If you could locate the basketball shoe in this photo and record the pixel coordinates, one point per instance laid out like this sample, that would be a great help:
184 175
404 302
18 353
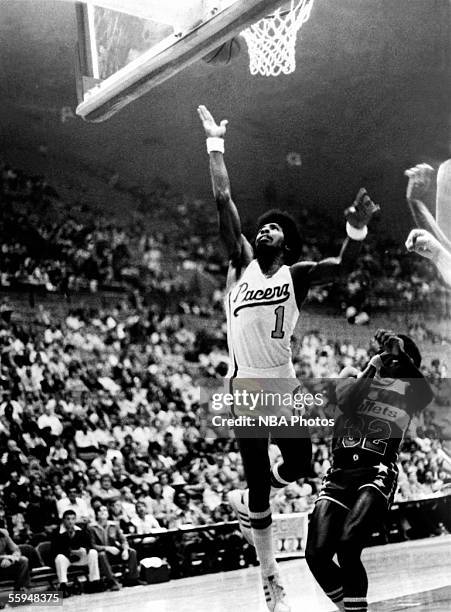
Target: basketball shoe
276 598
275 595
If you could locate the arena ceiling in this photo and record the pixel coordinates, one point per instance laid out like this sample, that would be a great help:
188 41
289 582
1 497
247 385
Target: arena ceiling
371 96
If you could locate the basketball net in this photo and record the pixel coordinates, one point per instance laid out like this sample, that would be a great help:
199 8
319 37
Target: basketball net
271 42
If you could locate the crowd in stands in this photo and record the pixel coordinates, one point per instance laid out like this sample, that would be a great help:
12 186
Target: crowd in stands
45 245
101 413
104 408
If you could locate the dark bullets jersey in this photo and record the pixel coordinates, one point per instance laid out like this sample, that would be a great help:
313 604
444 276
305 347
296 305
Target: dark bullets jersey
373 431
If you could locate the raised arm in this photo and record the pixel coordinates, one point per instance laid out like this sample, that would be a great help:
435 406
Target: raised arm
425 244
428 240
352 389
420 178
420 392
238 248
357 216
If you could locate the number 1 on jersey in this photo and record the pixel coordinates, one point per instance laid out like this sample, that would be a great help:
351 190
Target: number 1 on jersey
278 332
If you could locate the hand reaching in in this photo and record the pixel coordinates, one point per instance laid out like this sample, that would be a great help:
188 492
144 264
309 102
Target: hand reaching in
420 178
424 243
390 342
360 213
212 129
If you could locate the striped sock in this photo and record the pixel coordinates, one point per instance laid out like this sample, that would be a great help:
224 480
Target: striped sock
355 604
337 597
261 523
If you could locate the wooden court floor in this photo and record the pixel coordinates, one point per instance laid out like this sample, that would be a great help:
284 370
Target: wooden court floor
411 576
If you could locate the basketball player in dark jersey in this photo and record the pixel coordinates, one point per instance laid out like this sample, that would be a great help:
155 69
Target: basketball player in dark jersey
265 292
376 409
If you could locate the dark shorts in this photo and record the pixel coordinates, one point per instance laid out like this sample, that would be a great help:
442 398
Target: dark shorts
344 485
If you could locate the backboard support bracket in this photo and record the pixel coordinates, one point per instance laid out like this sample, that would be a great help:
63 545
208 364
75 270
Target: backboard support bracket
163 61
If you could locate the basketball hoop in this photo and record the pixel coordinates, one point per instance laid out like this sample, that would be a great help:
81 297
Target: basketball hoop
272 40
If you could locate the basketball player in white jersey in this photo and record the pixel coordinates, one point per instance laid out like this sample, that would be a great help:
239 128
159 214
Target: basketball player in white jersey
266 287
432 238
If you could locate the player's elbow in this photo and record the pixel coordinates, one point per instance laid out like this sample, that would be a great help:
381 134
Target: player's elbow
340 266
222 197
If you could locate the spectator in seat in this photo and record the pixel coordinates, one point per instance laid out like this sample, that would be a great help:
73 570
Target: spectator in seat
112 546
49 423
102 463
85 442
105 491
8 401
58 455
161 508
187 513
128 501
36 445
12 564
166 489
144 521
120 477
50 509
121 516
92 481
37 512
72 546
12 425
113 453
78 504
13 459
15 493
212 495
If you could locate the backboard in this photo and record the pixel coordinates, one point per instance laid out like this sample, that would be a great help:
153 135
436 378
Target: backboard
127 47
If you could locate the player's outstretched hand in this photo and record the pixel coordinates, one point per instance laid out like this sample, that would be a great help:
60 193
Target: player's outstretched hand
420 177
382 334
389 341
212 129
360 213
424 243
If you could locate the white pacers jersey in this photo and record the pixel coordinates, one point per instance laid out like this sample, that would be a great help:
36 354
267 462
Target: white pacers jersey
261 316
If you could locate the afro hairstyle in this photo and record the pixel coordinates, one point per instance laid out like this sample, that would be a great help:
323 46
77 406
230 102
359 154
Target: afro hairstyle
290 232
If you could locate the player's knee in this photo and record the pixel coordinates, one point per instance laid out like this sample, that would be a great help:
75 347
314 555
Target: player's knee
286 474
312 556
59 559
316 555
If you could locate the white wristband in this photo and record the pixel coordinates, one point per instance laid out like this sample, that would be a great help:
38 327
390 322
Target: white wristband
215 144
356 233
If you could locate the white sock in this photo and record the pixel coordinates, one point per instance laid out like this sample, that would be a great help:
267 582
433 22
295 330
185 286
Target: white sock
264 547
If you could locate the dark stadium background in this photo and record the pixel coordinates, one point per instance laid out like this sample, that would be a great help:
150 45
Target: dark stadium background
370 97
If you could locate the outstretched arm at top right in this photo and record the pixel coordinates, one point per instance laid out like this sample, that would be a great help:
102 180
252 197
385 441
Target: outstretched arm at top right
426 244
420 178
238 248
